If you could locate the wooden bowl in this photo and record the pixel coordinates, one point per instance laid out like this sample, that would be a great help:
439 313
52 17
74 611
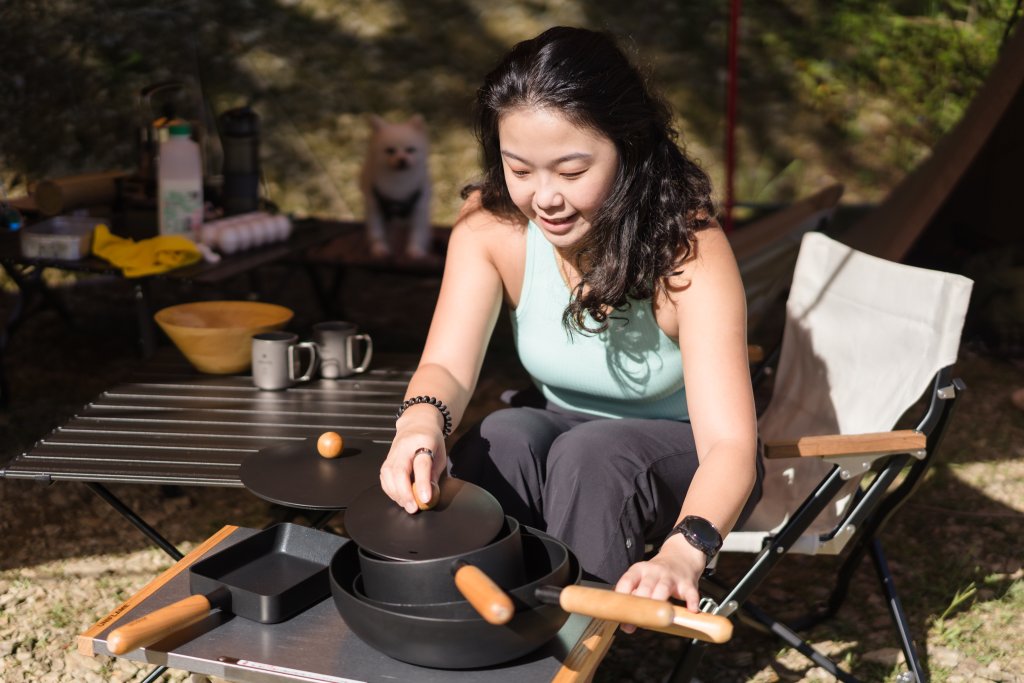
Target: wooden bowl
216 336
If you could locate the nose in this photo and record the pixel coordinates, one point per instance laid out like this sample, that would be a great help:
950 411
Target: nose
548 196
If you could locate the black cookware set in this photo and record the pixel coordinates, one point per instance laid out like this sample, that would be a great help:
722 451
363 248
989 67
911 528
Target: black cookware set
458 586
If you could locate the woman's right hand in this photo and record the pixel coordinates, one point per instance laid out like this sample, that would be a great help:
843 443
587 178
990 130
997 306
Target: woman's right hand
408 465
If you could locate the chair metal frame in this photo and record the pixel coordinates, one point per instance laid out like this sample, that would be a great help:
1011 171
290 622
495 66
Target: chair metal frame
857 533
838 465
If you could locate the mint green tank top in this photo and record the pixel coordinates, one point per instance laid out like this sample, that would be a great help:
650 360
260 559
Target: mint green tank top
632 369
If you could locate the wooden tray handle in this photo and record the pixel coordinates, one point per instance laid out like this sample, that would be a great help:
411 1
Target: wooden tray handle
150 628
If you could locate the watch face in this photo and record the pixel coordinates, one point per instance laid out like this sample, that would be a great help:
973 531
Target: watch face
703 534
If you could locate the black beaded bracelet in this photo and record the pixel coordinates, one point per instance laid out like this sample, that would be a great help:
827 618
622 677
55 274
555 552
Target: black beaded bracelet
437 403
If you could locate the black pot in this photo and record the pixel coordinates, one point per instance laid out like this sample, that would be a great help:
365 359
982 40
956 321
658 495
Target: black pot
454 636
545 563
431 581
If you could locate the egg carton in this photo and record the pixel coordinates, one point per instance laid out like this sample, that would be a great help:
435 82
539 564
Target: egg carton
245 231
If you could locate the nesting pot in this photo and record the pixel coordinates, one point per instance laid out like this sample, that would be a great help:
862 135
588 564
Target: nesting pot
451 634
544 563
431 580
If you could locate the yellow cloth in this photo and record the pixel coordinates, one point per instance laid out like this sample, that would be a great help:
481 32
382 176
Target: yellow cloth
145 257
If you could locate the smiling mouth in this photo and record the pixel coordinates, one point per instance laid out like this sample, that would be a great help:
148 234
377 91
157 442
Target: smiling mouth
565 220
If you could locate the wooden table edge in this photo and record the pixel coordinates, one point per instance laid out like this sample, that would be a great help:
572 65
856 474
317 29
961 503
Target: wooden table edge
582 661
86 639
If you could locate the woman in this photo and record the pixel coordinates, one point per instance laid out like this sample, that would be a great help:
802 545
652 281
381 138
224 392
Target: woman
593 227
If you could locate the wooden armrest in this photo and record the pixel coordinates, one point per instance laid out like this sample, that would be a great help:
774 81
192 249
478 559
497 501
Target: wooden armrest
847 444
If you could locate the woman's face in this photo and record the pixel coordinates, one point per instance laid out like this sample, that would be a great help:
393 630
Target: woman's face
557 173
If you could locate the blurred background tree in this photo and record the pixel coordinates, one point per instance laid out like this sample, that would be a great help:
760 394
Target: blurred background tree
854 91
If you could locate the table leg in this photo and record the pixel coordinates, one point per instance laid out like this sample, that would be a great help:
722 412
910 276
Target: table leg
29 280
328 295
147 334
139 523
155 674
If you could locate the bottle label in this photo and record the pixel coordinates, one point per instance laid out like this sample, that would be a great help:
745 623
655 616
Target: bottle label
181 207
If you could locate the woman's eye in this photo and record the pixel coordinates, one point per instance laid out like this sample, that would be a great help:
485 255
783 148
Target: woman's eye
573 174
519 173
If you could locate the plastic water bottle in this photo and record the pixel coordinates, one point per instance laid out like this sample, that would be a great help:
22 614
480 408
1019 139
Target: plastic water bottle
179 183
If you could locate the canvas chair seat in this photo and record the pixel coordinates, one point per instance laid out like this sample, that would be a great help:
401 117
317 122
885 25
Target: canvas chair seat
864 339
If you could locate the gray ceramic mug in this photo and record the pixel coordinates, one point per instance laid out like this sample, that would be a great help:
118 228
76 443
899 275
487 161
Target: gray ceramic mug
336 341
276 358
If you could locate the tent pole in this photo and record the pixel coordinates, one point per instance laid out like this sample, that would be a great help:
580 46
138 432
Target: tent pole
730 113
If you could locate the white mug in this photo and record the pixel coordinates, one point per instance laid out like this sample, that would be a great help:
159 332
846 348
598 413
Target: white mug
275 360
336 341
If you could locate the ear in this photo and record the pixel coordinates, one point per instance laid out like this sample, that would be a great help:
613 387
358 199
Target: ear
376 122
418 122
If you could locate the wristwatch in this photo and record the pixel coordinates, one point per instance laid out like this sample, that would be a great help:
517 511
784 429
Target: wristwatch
700 533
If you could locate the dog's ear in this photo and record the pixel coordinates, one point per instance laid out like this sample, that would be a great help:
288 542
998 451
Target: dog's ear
376 122
418 122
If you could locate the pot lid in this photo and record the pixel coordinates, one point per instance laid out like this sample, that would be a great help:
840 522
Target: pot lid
296 475
465 518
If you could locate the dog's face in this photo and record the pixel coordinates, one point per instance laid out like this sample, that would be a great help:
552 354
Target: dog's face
398 146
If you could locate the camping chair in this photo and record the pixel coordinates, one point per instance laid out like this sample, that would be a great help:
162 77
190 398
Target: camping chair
864 339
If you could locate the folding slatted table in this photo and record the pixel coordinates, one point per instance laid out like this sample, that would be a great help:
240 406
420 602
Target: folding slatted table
167 424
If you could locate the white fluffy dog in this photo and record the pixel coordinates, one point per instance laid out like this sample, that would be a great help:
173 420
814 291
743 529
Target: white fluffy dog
396 186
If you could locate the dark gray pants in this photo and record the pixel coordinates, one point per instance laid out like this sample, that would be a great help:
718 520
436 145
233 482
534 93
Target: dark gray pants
604 487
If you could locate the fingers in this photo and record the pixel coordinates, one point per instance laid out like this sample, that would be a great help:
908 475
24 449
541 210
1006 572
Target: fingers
410 464
394 479
659 580
691 597
422 469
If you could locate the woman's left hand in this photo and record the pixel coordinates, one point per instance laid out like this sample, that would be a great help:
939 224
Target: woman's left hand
673 573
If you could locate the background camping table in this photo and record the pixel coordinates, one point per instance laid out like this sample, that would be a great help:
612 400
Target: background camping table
168 424
293 252
316 645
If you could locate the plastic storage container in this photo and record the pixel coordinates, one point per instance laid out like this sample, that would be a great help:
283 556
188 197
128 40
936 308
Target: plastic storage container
67 238
179 183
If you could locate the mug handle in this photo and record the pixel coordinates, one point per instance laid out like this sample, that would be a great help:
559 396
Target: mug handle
313 358
366 356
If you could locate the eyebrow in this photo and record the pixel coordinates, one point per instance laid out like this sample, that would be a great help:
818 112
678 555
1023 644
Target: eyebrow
560 160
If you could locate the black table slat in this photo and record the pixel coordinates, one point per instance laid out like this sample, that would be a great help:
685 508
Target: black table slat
174 425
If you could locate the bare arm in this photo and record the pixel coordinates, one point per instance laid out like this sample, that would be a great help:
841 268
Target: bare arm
710 308
467 309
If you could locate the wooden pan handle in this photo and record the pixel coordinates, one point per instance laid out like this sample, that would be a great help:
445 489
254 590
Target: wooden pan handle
607 604
708 627
487 598
153 626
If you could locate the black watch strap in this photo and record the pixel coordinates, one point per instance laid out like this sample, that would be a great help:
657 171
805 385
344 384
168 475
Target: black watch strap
700 533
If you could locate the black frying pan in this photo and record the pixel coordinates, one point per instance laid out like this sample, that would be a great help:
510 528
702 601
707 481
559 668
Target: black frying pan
454 636
268 577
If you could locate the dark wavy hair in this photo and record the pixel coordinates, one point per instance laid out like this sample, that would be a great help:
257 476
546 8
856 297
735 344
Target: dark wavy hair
659 196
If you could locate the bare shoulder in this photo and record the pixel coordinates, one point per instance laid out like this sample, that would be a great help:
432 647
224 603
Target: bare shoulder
483 242
478 228
710 258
